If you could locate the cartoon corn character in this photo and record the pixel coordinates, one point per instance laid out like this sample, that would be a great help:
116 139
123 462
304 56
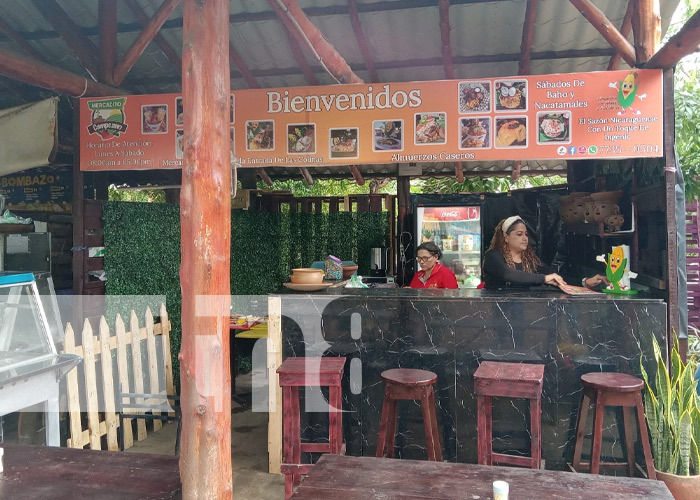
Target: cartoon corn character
616 267
627 92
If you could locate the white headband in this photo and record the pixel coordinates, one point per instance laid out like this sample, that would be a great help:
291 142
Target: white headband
509 222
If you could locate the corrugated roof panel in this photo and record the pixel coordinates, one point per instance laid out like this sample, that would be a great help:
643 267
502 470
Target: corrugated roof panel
485 28
397 36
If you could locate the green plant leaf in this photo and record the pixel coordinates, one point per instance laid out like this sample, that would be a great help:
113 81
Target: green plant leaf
684 444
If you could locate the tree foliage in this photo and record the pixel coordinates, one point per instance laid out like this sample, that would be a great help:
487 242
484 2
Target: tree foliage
687 97
687 105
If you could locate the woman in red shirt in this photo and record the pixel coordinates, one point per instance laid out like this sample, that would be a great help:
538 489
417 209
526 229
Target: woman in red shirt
432 273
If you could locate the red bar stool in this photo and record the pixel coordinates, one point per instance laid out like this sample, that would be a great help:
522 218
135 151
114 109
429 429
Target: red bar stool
308 372
612 389
407 383
509 380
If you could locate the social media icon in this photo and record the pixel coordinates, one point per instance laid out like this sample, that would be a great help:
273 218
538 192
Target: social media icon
573 150
561 150
592 150
582 150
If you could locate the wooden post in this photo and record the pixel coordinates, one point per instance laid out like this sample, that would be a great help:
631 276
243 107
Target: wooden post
671 226
646 25
107 16
403 192
681 44
274 360
205 220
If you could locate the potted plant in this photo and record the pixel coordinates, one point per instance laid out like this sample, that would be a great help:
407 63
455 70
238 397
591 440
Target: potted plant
673 417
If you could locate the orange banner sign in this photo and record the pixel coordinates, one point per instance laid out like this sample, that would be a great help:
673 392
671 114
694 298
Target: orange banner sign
611 114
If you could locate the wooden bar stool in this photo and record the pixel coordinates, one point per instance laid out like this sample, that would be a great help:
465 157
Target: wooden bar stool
308 372
411 384
509 380
612 389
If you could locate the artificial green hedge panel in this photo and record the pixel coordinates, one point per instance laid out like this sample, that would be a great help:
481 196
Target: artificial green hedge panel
142 256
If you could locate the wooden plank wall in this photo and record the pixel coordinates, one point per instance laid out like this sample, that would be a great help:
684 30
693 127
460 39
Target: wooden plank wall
692 241
93 387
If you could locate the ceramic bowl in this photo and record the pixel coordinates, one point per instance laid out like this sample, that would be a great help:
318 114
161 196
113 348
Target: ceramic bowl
348 271
307 276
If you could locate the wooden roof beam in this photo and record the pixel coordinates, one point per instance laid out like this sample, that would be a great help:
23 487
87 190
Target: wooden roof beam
247 75
681 44
158 39
445 44
264 176
308 34
357 175
418 63
294 46
459 172
71 33
362 41
145 37
618 42
39 74
306 175
625 29
21 43
528 36
107 21
646 25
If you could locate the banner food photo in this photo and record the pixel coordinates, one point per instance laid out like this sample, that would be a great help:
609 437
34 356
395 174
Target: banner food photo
611 114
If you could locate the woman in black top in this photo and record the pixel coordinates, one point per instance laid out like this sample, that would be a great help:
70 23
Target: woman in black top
511 261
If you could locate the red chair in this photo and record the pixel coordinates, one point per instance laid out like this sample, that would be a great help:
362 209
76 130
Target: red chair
509 380
308 372
612 389
407 383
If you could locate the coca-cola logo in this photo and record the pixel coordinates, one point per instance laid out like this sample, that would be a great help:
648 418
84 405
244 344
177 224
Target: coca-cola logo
451 214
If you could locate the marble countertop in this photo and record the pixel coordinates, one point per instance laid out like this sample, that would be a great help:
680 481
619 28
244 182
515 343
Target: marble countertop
533 293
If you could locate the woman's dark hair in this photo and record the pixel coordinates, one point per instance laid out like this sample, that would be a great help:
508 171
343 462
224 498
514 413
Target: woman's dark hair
431 247
530 260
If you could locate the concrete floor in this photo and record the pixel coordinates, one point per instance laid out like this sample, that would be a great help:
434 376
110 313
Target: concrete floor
249 450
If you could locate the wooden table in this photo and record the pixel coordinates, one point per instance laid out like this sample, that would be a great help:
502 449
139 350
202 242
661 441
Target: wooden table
50 473
360 478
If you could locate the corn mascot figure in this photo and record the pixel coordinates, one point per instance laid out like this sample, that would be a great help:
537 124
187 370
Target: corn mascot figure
617 271
627 92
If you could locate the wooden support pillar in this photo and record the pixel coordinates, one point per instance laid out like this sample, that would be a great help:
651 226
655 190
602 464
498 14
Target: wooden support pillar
681 44
205 221
403 191
363 203
78 190
107 16
671 226
646 25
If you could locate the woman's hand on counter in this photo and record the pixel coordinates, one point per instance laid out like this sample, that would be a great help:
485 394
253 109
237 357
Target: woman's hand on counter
554 279
595 280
